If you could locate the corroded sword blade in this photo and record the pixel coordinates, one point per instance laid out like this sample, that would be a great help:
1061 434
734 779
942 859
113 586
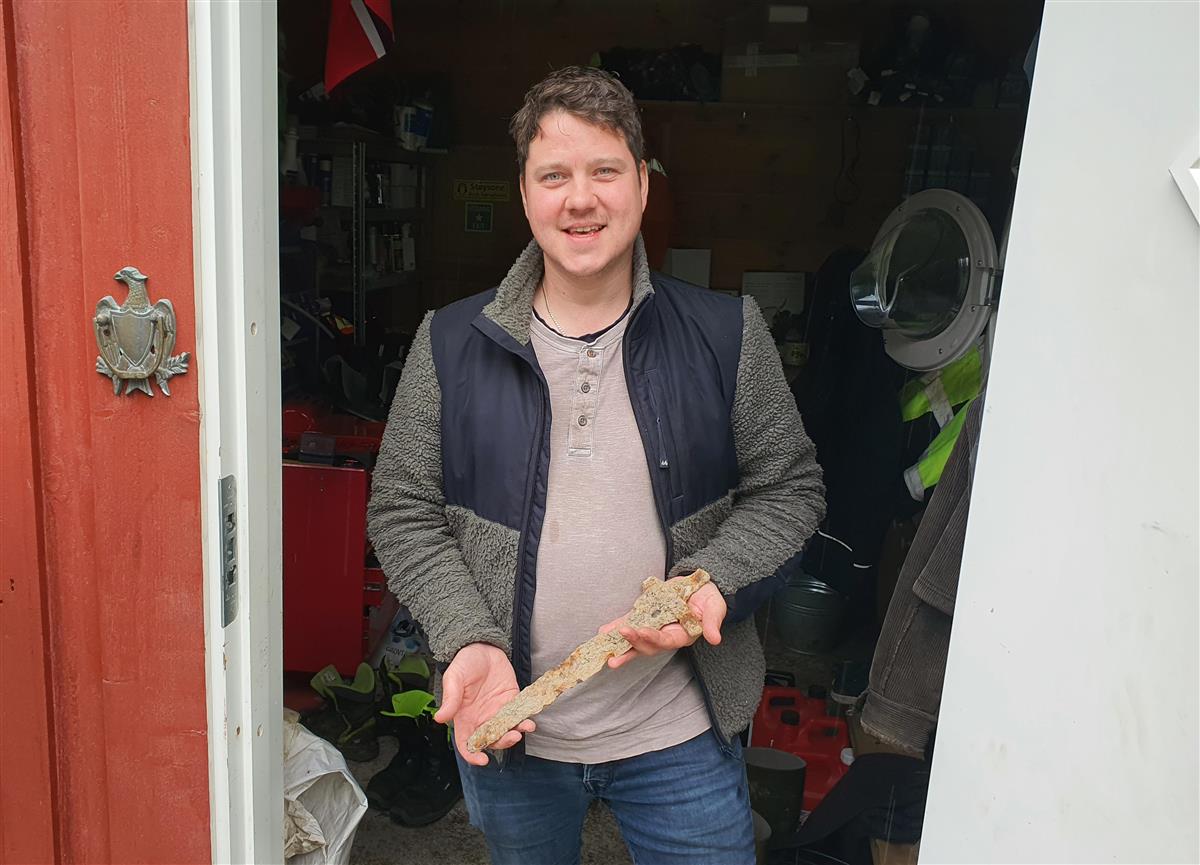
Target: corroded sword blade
659 604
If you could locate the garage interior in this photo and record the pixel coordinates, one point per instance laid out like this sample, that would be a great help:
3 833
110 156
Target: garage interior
782 140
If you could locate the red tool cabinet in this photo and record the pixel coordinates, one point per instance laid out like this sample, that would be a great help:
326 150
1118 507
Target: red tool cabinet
336 606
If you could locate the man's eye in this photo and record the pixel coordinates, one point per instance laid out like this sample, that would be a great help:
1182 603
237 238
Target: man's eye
606 171
552 177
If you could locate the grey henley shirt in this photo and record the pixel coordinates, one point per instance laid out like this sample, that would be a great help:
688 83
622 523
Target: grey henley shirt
601 538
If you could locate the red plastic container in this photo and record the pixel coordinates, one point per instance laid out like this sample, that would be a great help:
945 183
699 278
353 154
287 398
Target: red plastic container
788 720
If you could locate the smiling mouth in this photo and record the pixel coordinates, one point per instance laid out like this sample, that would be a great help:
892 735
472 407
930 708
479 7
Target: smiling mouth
587 231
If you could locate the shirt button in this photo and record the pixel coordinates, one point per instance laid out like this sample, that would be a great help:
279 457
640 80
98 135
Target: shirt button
591 352
583 420
585 387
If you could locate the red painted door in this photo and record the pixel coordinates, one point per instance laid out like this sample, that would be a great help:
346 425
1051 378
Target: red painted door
103 732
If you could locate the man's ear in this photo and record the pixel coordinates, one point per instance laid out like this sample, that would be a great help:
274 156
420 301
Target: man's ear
521 186
644 183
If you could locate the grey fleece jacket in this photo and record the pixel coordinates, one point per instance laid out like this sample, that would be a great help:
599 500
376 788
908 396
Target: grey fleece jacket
456 567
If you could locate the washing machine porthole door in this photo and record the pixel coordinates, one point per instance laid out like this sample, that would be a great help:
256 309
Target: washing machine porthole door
927 281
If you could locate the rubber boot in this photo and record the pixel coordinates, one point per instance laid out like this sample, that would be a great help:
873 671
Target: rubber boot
437 789
405 768
406 704
410 675
352 703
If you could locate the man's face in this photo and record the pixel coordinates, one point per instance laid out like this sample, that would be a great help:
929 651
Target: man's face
583 194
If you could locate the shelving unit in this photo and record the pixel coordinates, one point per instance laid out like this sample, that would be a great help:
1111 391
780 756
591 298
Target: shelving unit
363 148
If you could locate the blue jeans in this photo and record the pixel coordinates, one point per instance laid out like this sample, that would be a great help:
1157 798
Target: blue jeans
686 804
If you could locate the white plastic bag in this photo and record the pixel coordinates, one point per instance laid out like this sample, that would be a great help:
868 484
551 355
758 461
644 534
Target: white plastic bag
323 804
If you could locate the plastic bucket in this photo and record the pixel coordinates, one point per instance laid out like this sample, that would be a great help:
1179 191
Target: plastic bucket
776 787
762 837
808 615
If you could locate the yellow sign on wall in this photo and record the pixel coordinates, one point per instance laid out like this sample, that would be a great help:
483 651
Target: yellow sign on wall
481 190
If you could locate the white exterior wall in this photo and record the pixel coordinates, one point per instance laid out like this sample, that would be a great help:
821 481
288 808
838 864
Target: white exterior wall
1069 718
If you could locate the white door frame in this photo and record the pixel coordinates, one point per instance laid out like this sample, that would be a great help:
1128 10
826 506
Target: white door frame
234 133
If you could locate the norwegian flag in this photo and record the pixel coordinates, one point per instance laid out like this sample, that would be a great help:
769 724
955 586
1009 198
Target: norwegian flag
359 33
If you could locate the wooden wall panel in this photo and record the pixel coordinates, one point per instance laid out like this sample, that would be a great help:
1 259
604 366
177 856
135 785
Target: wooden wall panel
27 819
103 95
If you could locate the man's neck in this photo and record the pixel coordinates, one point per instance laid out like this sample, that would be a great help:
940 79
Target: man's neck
578 306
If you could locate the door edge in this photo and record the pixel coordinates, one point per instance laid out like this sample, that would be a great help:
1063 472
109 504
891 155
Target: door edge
232 68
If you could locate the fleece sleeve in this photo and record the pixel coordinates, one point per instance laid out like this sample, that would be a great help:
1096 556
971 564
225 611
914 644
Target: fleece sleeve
780 497
406 517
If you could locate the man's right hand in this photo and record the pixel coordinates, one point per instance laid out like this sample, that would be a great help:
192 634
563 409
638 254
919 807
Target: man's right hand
477 683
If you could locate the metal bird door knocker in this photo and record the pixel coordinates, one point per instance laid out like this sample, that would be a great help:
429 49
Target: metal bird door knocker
136 338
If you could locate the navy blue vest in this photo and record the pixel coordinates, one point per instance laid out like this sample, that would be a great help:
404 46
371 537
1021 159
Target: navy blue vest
681 353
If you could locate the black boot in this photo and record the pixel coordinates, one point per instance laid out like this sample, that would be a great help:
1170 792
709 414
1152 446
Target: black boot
405 768
438 787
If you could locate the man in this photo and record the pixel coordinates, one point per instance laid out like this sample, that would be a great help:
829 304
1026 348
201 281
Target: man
554 442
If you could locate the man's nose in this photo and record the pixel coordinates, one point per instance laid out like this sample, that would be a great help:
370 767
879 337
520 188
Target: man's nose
581 195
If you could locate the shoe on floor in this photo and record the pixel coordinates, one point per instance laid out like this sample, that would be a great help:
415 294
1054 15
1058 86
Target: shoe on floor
398 683
353 704
405 768
438 787
410 673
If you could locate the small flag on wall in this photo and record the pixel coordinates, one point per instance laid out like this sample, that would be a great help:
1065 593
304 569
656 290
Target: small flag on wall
359 34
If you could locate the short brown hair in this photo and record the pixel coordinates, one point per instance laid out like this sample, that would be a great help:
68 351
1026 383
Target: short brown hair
592 95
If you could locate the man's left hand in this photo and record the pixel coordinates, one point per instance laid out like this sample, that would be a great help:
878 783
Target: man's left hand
706 604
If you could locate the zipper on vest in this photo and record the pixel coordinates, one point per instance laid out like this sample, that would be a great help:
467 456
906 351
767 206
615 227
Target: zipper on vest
661 496
519 649
656 478
663 462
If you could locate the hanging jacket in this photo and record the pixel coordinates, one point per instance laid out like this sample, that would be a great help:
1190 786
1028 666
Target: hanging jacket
459 491
904 694
847 398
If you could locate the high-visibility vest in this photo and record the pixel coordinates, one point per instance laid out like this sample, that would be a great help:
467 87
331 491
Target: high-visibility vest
940 392
927 470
